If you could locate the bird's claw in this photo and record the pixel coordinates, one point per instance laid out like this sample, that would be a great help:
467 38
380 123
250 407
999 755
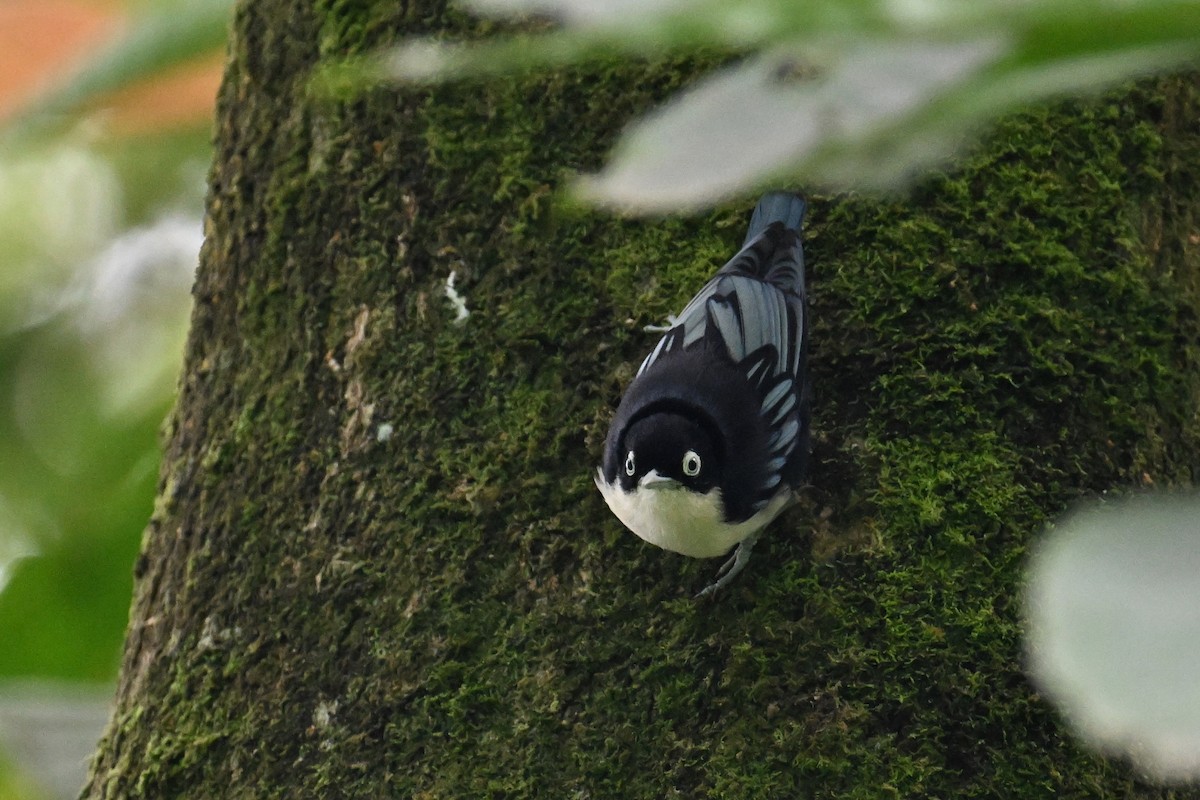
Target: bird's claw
732 566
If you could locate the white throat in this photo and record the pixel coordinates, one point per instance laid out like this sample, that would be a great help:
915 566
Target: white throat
684 521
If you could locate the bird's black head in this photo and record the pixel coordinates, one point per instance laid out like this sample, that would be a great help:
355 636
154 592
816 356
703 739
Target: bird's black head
672 445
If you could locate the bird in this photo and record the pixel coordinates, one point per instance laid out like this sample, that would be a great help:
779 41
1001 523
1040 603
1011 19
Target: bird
710 441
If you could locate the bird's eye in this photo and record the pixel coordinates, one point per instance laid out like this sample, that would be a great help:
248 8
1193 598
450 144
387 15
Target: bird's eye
629 467
691 464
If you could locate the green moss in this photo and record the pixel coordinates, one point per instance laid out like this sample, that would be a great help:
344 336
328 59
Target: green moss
452 612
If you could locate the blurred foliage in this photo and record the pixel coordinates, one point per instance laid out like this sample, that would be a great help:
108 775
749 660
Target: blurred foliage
92 313
99 233
161 35
1121 663
834 93
98 237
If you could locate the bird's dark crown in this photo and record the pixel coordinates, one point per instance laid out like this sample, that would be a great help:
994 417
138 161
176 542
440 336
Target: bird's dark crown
675 445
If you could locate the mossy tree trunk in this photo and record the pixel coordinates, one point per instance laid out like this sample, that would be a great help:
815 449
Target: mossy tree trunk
378 566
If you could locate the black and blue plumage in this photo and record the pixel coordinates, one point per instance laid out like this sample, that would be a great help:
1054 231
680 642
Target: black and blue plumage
711 439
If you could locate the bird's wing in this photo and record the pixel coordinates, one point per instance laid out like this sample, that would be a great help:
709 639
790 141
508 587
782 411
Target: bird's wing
762 330
780 411
764 302
747 314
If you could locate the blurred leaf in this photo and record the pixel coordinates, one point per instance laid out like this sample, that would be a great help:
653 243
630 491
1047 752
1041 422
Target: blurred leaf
744 125
1113 606
63 613
57 204
894 85
85 382
80 485
157 39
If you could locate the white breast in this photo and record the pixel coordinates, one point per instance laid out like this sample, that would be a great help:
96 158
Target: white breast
684 521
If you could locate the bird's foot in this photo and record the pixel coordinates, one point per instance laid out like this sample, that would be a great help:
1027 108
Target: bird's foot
672 321
732 566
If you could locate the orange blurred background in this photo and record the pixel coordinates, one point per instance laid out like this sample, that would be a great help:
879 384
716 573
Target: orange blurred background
44 41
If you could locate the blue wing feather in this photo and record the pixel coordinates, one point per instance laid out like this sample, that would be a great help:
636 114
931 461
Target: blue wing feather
755 307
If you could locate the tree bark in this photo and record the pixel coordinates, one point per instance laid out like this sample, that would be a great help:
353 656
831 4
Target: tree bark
378 567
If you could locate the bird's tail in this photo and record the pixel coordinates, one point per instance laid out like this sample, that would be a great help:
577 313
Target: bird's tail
784 207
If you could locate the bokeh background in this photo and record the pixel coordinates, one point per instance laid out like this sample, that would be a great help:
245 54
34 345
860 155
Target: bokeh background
101 205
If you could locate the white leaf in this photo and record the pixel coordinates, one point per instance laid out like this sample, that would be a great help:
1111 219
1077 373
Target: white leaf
746 124
1113 606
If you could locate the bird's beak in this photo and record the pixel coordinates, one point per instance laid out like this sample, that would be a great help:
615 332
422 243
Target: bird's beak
652 480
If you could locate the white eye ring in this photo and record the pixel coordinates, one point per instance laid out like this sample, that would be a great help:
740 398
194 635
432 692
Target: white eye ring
691 464
629 467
